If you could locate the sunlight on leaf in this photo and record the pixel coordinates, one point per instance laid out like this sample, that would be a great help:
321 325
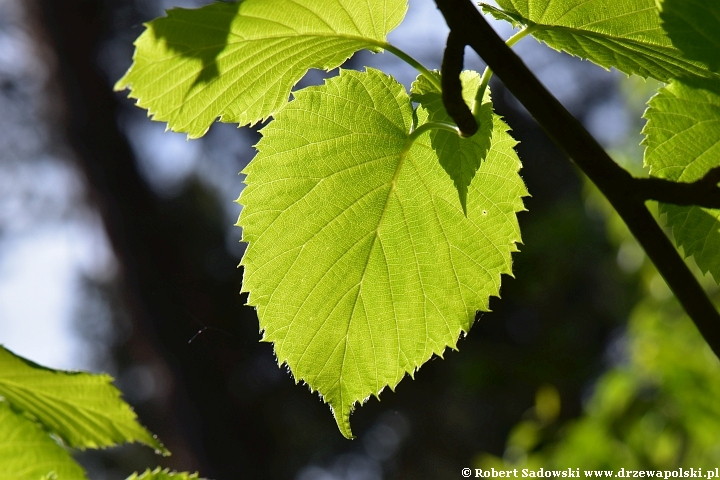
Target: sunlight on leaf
27 452
360 261
165 474
85 410
459 157
623 34
239 61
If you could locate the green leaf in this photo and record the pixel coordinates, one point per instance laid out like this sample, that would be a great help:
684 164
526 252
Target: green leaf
165 474
360 261
83 409
27 452
625 34
460 157
681 141
239 61
694 28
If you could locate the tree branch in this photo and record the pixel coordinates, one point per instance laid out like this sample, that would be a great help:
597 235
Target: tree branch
615 183
703 193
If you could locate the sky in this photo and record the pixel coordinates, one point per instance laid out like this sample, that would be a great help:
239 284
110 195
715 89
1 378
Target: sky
49 238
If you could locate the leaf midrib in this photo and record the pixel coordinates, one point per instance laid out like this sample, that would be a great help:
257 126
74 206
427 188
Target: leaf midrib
342 36
615 38
376 235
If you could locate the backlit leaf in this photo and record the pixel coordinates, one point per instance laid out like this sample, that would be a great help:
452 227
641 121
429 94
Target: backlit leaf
238 61
624 34
165 474
83 409
27 452
360 261
682 145
460 157
694 28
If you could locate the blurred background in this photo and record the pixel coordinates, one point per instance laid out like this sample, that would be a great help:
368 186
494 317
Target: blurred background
118 253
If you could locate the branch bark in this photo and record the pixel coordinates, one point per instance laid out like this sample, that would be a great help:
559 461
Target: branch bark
703 193
620 188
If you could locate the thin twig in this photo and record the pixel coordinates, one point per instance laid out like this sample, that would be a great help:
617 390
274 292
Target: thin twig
452 65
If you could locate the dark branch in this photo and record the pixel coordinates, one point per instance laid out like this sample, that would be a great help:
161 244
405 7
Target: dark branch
703 193
615 183
452 65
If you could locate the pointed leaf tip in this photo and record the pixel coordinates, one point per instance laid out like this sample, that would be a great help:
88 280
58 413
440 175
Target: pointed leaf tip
459 156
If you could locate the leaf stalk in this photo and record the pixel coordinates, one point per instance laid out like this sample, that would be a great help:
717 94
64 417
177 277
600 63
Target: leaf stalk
426 127
413 63
487 73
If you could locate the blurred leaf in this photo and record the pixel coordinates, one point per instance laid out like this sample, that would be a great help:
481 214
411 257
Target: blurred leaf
27 452
165 474
547 403
83 409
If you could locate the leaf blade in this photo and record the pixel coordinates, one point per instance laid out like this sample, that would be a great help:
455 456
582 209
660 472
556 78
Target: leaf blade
681 145
460 157
624 35
239 61
163 474
84 410
359 261
27 452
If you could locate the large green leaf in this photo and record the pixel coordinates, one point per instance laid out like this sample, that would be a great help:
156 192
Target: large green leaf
360 260
27 452
624 34
238 61
682 135
694 28
83 409
460 157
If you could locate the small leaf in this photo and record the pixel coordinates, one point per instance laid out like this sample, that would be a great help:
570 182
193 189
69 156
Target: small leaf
682 135
360 261
625 34
694 28
238 61
460 157
27 452
165 474
83 409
